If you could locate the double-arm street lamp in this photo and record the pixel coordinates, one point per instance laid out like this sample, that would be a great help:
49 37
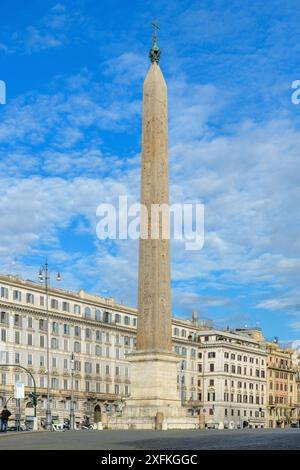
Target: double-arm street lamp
44 277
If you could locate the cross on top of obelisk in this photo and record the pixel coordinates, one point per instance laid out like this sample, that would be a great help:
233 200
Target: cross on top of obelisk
155 52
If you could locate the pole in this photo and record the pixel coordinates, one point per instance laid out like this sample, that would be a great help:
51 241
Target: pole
48 409
182 383
72 411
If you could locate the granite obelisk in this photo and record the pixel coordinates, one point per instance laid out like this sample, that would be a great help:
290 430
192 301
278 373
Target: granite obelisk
153 364
154 301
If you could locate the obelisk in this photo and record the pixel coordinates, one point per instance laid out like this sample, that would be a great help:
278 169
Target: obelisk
153 364
154 301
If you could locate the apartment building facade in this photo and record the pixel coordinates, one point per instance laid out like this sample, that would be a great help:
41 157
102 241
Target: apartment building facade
231 379
282 378
99 332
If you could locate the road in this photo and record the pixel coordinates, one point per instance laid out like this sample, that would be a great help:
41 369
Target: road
280 439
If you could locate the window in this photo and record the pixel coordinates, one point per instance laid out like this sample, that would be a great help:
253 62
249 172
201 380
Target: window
54 304
126 341
117 389
107 317
66 306
127 320
87 313
226 367
29 322
107 370
29 359
4 317
42 341
98 350
17 295
17 337
88 333
117 318
42 361
3 335
211 367
77 309
176 332
42 325
77 331
54 383
183 333
77 347
17 358
17 320
29 339
211 354
98 335
211 396
97 315
66 329
42 301
30 298
54 343
184 351
211 382
88 367
55 327
4 292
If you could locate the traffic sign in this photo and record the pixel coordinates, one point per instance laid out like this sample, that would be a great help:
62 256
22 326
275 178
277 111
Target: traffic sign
19 390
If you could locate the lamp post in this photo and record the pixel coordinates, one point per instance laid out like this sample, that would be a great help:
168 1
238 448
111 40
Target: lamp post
182 382
44 277
72 411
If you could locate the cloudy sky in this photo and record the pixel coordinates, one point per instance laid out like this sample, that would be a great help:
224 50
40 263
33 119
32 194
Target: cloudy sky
70 139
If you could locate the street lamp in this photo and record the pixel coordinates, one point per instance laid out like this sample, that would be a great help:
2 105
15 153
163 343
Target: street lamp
72 411
182 382
44 277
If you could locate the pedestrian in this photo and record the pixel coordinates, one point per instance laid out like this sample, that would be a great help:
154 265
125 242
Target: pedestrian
5 414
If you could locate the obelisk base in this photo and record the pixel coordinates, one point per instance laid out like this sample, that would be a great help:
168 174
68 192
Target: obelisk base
153 384
154 393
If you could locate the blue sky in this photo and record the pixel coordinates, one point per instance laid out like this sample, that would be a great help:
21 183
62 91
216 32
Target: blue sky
70 139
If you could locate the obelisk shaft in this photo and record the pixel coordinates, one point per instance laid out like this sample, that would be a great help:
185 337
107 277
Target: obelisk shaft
154 302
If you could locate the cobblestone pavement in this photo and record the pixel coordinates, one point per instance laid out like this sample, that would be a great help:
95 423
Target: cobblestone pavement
281 439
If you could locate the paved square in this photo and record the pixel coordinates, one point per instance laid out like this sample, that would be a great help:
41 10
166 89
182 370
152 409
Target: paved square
280 439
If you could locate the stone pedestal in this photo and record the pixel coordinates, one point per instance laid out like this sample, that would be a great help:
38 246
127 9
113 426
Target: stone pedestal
153 384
